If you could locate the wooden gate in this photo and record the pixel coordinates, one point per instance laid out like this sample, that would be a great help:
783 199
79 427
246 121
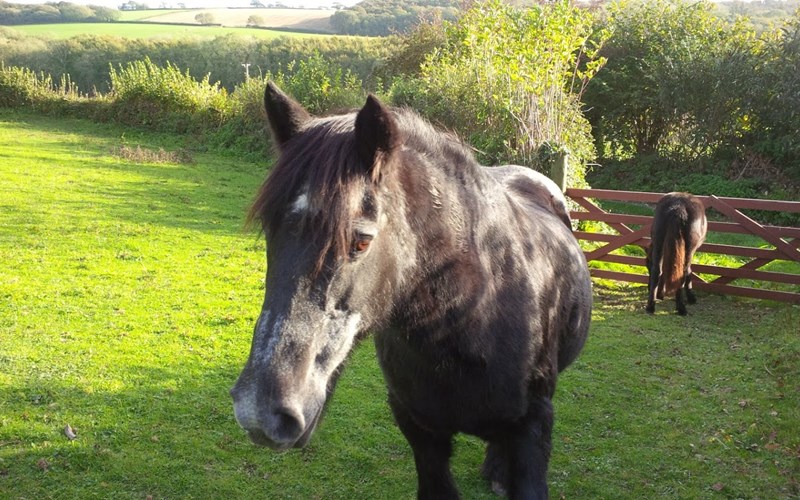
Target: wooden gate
780 243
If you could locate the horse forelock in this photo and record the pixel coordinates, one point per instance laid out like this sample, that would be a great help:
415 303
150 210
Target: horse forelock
319 170
317 174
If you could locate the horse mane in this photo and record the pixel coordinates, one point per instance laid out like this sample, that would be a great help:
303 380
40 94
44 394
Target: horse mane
322 160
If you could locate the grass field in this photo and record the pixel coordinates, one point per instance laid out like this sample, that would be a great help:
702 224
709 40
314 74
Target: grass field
128 292
144 24
305 19
148 30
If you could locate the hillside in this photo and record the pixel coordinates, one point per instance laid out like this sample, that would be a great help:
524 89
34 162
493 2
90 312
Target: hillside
290 19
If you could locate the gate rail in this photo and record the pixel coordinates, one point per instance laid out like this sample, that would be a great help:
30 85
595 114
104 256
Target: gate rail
784 242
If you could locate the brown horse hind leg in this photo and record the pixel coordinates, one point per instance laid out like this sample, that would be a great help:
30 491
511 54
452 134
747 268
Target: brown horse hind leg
680 304
652 289
691 297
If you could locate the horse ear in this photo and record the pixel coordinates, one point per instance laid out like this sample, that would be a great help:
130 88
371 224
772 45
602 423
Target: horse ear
286 116
376 132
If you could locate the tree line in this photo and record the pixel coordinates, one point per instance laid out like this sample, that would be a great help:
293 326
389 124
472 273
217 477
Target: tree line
54 12
390 17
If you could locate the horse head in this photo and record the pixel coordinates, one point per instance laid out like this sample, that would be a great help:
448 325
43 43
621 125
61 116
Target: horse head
330 265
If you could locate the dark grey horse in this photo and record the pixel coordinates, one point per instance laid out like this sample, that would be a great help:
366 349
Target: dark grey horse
679 228
477 295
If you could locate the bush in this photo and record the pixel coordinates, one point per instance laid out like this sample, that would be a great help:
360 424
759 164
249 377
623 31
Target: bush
21 87
510 80
774 132
86 57
245 130
321 86
677 83
163 98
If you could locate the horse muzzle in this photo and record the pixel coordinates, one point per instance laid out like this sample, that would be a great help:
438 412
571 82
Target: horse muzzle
278 427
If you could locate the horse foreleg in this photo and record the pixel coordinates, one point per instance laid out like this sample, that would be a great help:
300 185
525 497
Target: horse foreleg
529 453
431 456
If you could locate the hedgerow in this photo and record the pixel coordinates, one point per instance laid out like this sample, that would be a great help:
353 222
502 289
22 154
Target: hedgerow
164 98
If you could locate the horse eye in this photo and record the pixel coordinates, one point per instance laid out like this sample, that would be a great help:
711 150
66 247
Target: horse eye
361 244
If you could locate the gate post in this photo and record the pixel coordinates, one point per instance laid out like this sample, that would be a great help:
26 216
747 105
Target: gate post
558 170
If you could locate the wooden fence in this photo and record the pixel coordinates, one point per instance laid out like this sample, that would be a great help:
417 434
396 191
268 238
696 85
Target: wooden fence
780 243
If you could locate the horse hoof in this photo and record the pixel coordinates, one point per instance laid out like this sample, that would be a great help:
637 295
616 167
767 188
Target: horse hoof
499 489
650 309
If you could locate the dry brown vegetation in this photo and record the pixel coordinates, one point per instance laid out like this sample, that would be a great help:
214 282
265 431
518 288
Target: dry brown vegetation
144 155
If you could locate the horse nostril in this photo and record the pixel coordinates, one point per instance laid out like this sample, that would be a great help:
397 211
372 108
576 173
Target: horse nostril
288 425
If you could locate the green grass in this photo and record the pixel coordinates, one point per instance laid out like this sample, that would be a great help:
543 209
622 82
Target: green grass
148 30
127 298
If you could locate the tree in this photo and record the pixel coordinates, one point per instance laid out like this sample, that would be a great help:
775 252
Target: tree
74 13
204 18
255 20
104 14
510 80
676 82
133 5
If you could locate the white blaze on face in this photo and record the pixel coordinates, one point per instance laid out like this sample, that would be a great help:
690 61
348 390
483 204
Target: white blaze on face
334 338
245 409
300 204
271 332
341 330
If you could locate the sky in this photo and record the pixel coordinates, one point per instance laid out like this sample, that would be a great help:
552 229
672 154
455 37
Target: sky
204 4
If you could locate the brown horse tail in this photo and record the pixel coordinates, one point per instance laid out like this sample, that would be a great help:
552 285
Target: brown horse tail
673 258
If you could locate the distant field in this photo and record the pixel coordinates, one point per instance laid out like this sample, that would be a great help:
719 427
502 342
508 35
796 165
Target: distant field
138 15
301 19
147 30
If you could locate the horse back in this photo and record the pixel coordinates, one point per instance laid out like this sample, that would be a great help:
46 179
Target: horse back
530 186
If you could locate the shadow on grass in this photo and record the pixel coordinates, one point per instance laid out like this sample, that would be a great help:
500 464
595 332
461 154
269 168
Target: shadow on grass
212 194
171 433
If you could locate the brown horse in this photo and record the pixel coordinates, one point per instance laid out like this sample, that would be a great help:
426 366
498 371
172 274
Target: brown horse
679 228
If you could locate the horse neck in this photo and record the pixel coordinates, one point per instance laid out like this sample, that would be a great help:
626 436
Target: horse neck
445 217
